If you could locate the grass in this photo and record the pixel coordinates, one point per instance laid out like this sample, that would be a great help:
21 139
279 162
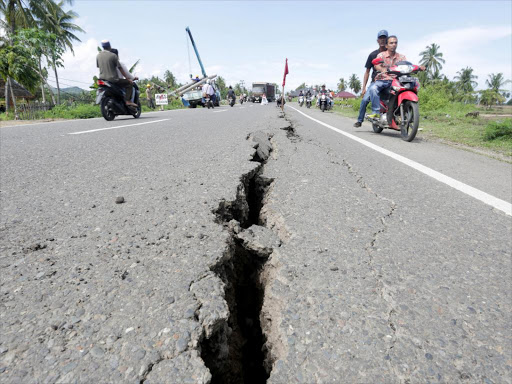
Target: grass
450 124
87 111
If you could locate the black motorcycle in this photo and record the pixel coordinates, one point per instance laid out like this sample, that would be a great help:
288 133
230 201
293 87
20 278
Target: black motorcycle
231 101
110 97
324 102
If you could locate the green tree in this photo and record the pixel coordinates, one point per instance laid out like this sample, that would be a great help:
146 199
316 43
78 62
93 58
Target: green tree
60 23
221 84
354 83
432 59
342 86
465 84
18 62
490 97
496 82
170 79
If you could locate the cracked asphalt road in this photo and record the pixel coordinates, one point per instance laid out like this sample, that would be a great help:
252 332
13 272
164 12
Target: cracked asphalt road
382 274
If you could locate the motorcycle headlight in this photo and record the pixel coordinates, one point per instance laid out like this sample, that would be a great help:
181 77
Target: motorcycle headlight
404 68
396 88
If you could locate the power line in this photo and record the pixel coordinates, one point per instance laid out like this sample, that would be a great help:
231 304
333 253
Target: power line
75 81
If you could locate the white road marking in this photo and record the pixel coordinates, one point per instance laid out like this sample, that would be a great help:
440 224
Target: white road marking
76 120
460 186
241 107
224 110
119 126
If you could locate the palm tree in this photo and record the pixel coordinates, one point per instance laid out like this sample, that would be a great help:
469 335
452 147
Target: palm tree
354 83
59 22
431 58
466 83
466 79
495 82
342 85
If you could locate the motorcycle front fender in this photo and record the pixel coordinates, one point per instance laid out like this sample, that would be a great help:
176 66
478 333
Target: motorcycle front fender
407 95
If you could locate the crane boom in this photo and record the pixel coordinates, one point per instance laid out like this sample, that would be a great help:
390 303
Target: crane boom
195 49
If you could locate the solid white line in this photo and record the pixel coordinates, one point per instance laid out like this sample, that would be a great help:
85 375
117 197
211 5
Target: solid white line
464 188
225 110
119 126
76 120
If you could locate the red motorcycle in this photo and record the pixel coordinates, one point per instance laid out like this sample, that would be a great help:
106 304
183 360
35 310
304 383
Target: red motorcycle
399 108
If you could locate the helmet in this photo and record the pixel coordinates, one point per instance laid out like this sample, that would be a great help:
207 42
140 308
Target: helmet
149 85
208 81
230 87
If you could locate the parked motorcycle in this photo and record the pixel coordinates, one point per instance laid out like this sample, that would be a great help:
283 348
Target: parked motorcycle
301 101
231 101
110 97
308 101
399 109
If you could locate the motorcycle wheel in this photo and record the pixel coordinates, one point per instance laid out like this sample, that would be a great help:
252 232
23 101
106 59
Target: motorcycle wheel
322 107
376 128
107 113
412 121
139 110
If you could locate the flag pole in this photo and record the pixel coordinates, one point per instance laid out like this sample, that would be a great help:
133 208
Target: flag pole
282 100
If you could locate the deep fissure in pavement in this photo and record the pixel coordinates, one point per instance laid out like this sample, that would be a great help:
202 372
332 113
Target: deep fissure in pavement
247 360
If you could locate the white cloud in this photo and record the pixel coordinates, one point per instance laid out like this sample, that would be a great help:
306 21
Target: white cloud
79 68
463 48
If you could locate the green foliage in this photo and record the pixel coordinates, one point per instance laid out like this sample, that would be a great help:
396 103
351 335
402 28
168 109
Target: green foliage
498 130
491 97
433 60
80 111
342 85
17 61
221 83
434 97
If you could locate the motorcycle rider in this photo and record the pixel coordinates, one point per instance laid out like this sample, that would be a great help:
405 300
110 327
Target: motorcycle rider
382 37
128 76
208 90
301 93
325 92
383 80
231 93
108 63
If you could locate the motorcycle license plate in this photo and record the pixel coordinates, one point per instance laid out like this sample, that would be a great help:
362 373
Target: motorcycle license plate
407 79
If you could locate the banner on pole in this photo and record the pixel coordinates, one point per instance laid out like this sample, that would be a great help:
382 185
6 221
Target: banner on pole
161 99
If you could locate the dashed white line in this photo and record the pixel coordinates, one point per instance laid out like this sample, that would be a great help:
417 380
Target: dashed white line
225 110
117 127
458 185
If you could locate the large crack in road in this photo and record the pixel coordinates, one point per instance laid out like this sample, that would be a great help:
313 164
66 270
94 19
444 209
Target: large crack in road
237 350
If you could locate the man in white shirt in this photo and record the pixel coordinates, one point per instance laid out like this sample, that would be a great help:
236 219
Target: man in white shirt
208 90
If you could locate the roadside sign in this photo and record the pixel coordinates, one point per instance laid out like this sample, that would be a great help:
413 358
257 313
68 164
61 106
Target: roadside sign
161 99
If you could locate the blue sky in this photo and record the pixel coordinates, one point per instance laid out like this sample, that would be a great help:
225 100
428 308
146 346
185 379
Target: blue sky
323 40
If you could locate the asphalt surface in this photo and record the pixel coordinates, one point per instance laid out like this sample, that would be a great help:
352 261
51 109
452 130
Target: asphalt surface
372 272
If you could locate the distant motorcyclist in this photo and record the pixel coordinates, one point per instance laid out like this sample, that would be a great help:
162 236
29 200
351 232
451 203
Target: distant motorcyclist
208 90
301 93
231 93
322 91
308 93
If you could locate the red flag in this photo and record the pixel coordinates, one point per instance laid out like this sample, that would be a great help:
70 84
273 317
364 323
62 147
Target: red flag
285 72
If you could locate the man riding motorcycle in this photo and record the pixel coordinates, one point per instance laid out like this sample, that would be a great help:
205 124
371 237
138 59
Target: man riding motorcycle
383 80
231 93
108 64
325 92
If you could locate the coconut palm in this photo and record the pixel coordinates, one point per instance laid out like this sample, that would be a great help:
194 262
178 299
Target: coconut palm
466 80
354 83
342 85
495 82
60 23
431 58
465 83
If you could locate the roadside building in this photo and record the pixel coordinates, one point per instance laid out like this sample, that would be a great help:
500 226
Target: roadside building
343 95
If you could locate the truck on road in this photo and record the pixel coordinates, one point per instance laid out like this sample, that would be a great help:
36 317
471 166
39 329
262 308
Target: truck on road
260 88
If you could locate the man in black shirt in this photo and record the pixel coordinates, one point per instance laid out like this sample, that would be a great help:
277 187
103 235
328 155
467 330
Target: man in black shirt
382 38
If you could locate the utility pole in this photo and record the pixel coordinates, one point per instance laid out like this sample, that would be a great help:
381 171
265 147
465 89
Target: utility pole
242 85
